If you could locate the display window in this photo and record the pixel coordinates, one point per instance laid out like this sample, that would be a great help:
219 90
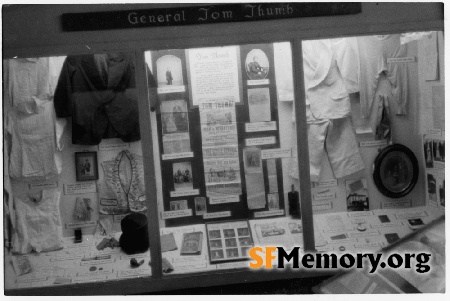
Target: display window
158 164
74 184
223 143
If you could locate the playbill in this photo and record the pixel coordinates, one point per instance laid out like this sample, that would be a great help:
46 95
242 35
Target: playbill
218 122
219 144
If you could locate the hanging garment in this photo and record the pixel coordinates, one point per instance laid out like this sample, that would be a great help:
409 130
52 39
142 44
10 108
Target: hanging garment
382 95
374 52
38 222
33 144
29 119
100 96
28 82
384 125
123 188
331 73
337 139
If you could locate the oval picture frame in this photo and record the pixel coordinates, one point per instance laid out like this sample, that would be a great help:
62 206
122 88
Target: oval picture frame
396 171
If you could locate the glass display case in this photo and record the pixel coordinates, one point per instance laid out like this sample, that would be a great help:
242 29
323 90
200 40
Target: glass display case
153 165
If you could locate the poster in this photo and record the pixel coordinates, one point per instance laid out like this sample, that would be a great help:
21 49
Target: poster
214 73
220 147
259 105
218 122
175 126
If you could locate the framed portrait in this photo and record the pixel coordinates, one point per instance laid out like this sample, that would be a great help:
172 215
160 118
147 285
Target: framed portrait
229 241
396 171
86 166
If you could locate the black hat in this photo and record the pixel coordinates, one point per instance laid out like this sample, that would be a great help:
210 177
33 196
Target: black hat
134 238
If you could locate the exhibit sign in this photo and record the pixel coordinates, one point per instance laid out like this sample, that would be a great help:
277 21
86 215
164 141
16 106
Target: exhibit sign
177 16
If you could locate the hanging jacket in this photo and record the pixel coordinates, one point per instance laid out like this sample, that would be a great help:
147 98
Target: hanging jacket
102 102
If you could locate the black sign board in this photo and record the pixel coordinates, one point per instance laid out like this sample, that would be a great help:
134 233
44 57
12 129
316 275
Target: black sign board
202 15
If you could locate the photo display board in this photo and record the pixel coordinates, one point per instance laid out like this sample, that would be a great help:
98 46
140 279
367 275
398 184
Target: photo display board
217 129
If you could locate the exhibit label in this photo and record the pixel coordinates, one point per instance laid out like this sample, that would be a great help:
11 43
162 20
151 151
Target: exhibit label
80 188
177 16
276 153
176 214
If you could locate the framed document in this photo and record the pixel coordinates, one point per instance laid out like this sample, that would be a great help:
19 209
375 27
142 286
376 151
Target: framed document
229 241
396 171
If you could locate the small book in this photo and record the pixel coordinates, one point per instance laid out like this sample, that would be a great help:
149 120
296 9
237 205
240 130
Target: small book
168 243
192 243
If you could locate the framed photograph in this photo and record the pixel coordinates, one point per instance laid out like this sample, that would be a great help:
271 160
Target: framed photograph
86 166
229 241
396 171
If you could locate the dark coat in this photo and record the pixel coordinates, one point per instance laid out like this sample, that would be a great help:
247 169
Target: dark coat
100 107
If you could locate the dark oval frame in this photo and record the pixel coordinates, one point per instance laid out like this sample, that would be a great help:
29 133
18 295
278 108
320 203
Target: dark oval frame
379 171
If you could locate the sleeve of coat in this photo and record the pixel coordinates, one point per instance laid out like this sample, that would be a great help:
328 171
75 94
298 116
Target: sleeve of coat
62 99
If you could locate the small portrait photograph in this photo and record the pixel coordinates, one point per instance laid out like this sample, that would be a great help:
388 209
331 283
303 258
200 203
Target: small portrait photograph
214 234
178 205
216 244
245 241
174 117
295 228
257 64
169 71
431 183
232 253
243 232
217 254
272 201
230 242
441 193
182 175
86 166
428 153
200 205
439 150
252 160
229 233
